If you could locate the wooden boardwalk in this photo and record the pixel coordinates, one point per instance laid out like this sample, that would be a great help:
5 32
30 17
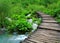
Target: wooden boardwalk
47 32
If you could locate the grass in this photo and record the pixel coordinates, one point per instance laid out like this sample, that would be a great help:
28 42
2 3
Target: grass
13 13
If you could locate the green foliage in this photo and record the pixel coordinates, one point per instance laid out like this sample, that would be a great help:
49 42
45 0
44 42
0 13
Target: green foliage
3 13
13 13
54 10
18 24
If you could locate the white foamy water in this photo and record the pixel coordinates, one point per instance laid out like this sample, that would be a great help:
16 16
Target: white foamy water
18 38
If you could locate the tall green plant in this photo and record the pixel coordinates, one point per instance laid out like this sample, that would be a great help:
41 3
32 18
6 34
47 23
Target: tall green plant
4 10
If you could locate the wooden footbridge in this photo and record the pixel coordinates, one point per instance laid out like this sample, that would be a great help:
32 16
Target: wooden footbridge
47 32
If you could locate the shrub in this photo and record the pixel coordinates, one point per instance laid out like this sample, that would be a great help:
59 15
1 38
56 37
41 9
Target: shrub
3 13
18 24
13 13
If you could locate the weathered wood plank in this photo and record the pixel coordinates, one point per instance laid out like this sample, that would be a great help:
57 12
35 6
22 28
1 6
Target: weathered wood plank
45 36
50 24
50 27
49 21
48 32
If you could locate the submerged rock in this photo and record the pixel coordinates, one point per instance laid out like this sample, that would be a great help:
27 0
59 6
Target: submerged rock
14 33
2 30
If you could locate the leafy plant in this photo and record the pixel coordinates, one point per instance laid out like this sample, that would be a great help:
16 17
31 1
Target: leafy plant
18 24
13 13
3 13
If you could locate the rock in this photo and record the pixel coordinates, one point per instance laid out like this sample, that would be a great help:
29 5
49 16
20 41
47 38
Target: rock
2 30
28 15
9 19
34 26
30 20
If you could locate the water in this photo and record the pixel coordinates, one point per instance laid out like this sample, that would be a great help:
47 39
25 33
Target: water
6 38
15 38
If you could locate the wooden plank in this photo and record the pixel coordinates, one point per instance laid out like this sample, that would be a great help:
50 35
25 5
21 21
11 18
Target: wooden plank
49 21
50 24
45 36
47 32
50 27
47 18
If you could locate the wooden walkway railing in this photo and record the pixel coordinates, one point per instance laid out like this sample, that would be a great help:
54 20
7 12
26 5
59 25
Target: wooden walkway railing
47 32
